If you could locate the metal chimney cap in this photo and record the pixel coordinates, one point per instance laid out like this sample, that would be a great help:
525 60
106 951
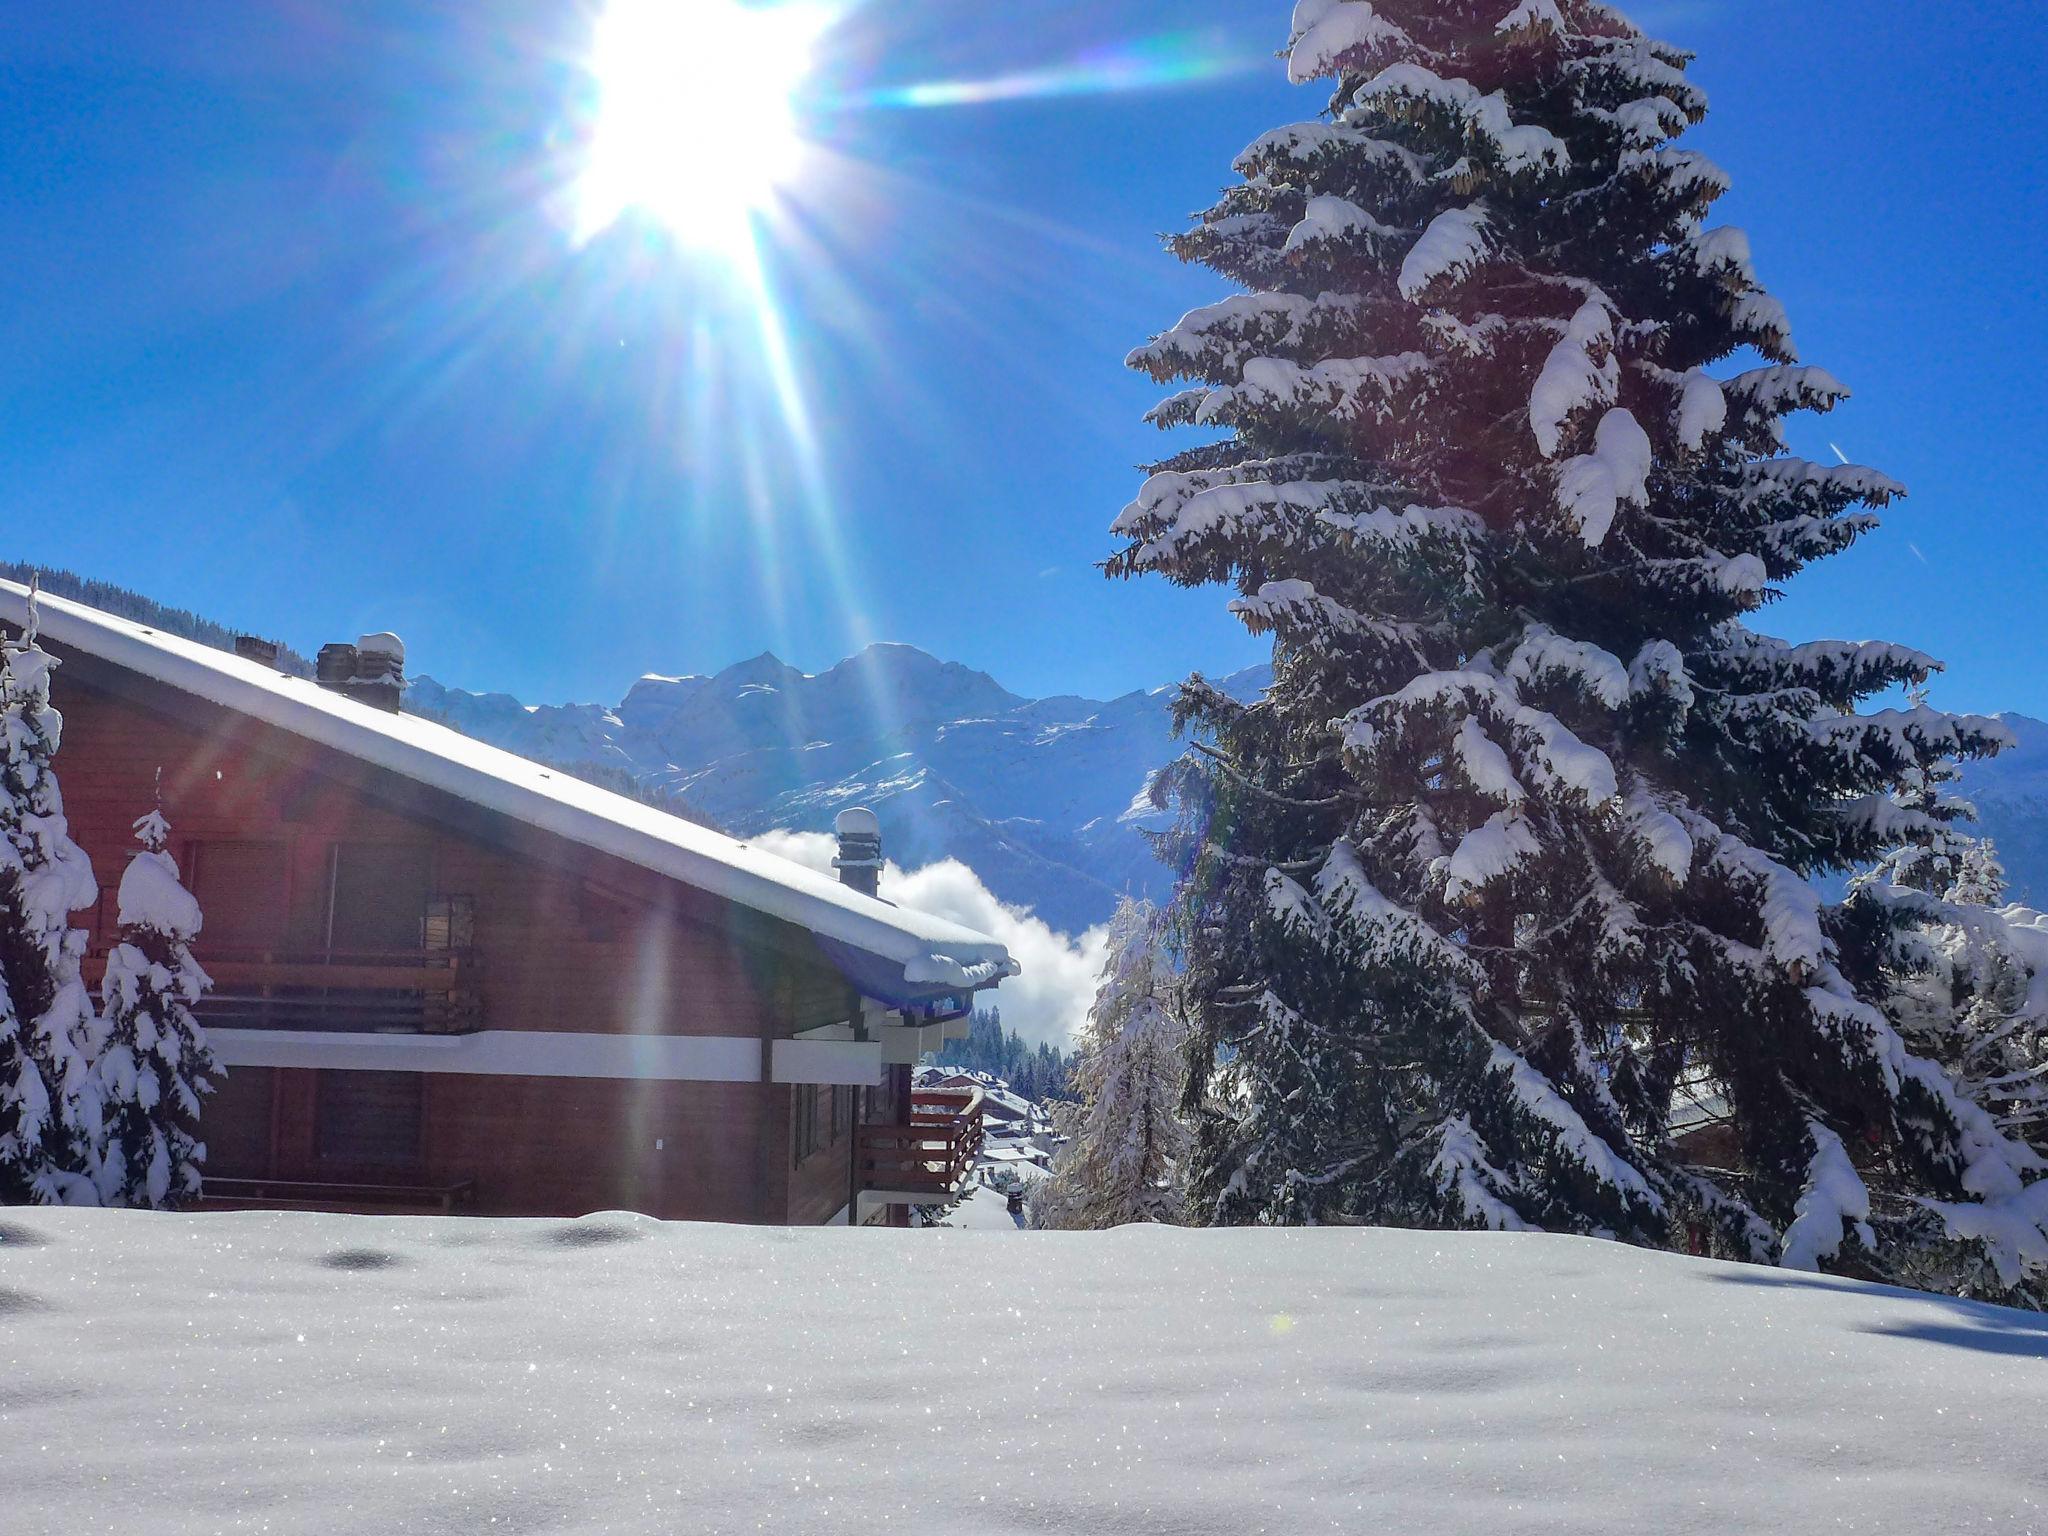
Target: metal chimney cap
383 644
857 821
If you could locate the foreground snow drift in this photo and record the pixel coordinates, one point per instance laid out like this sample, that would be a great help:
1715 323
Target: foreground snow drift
298 1373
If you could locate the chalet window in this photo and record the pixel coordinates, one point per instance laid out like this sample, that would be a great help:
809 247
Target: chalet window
244 888
378 900
369 1119
821 1117
806 1116
236 1124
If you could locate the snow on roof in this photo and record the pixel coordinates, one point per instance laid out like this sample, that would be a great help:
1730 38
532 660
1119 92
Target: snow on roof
927 954
1014 1155
1009 1101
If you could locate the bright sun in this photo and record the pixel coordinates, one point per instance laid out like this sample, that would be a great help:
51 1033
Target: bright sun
697 121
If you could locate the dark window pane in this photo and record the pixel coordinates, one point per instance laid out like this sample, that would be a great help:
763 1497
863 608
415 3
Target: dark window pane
234 1122
806 1113
380 897
369 1119
244 889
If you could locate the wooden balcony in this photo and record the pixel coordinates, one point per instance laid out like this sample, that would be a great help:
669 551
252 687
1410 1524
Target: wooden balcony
927 1161
409 991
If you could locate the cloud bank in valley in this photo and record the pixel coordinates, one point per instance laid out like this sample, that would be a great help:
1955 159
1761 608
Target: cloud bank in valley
1050 1000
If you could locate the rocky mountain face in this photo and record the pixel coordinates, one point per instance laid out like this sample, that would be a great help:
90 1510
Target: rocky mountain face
1043 798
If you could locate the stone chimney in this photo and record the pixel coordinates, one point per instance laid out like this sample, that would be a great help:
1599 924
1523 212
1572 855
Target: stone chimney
860 850
372 671
263 652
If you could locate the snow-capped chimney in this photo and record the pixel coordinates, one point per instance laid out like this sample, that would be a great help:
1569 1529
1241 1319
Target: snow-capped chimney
380 671
860 850
372 671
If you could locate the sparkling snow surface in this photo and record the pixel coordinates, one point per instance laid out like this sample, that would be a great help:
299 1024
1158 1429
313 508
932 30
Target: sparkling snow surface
318 1373
985 1210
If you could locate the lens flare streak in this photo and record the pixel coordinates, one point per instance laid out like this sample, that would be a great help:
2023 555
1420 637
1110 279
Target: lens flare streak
1155 63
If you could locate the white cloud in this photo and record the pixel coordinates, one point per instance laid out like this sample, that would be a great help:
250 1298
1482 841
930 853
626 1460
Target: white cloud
1050 1000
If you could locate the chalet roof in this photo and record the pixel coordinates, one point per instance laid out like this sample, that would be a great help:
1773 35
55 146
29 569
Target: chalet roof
888 949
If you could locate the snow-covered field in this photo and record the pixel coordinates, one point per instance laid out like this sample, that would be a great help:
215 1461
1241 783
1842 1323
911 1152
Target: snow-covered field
316 1373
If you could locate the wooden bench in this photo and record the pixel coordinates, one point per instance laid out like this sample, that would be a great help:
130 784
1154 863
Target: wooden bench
357 1199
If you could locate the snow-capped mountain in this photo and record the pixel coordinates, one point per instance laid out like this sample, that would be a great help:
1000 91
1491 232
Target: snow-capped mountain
2010 792
1036 795
1043 798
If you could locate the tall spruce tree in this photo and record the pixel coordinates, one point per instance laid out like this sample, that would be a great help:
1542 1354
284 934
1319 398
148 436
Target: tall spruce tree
1129 1144
49 1122
155 1063
1521 834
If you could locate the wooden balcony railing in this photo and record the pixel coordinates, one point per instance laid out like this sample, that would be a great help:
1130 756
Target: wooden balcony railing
930 1157
308 1195
418 991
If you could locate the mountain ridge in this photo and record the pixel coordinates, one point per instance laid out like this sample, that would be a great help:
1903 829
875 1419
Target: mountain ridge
1037 796
1042 798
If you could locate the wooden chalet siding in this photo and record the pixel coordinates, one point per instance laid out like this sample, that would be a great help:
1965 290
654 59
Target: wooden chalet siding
532 1146
565 939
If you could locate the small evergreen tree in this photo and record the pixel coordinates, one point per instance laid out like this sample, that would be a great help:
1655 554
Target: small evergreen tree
1979 876
1522 833
48 1034
1128 1143
155 1063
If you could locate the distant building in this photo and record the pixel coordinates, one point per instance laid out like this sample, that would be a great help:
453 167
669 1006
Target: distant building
449 978
1005 1111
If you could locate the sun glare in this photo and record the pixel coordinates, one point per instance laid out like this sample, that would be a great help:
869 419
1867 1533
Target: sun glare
697 123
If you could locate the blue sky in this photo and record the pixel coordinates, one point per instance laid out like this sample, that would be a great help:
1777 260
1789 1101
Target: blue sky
293 333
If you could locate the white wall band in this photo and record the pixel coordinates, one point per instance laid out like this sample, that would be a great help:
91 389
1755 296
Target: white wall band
501 1053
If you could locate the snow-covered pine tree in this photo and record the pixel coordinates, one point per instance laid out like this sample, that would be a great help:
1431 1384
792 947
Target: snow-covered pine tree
155 1062
1965 979
1931 849
48 1033
1521 833
1979 876
1129 1142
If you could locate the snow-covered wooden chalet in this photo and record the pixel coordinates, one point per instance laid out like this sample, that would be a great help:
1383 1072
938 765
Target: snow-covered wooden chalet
449 978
